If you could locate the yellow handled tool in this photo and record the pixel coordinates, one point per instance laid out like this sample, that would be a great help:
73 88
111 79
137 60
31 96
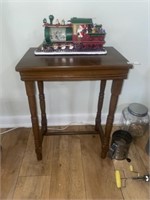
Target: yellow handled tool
118 178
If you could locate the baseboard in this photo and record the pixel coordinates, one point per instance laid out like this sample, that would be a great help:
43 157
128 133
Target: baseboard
54 120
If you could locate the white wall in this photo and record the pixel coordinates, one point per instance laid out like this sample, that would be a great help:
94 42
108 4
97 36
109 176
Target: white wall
126 24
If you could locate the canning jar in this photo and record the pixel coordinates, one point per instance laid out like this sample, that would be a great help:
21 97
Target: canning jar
135 119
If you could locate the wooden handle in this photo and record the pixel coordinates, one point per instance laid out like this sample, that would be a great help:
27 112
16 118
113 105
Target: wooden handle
118 178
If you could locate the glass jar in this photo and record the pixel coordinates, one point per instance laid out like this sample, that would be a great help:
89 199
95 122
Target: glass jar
135 119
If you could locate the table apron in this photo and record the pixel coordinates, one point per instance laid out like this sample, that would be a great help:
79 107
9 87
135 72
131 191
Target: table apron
74 76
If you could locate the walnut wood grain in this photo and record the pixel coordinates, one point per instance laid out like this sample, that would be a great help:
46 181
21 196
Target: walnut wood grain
100 104
115 91
30 90
71 168
112 66
42 106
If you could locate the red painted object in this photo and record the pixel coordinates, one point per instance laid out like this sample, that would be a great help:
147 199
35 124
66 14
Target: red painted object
77 35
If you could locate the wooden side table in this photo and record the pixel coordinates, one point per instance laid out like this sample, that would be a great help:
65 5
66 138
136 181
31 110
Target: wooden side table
112 66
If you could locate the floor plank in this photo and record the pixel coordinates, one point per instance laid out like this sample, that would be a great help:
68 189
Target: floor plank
140 144
71 168
133 189
30 165
13 148
67 181
98 173
33 187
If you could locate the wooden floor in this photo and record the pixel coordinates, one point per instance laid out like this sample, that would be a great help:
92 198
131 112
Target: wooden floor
71 168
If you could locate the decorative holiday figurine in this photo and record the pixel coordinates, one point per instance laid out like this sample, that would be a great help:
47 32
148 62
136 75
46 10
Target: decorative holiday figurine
78 36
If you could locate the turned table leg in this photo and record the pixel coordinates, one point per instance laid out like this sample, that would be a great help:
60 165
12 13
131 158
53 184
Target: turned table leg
100 104
42 106
99 108
115 91
30 90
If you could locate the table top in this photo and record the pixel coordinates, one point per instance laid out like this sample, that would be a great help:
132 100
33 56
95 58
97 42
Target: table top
80 67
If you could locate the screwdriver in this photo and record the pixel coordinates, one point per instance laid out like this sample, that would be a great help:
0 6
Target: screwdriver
145 178
119 179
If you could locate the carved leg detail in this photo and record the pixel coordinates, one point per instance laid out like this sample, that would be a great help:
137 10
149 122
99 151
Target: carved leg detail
42 106
100 104
115 91
30 90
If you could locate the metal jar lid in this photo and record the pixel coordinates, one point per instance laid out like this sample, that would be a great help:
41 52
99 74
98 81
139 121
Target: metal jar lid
138 109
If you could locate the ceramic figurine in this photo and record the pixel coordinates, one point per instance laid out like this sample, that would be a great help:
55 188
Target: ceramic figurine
78 36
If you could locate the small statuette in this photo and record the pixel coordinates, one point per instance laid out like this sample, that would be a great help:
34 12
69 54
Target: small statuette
72 37
57 22
63 22
51 18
